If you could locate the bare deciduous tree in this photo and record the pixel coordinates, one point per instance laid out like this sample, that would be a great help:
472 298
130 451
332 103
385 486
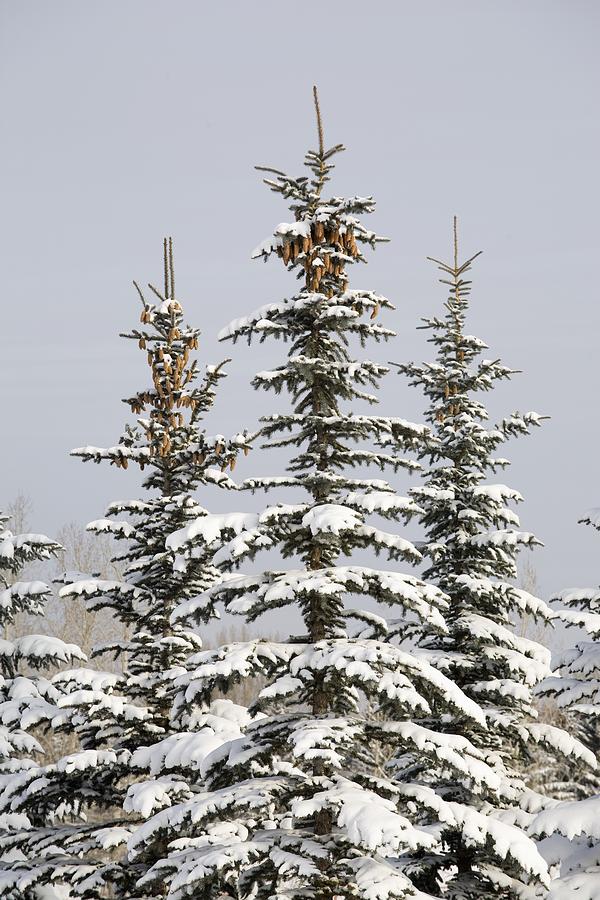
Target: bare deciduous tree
88 554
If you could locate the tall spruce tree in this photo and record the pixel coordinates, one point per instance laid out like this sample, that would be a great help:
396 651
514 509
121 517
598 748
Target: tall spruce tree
573 847
28 699
472 543
94 799
294 808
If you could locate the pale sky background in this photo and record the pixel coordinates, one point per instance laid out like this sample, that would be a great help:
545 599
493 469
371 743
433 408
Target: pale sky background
125 121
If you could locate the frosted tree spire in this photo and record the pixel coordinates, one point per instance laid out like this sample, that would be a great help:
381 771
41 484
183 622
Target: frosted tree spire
473 538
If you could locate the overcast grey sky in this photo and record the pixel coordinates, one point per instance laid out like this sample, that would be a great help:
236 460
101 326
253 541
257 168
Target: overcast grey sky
125 121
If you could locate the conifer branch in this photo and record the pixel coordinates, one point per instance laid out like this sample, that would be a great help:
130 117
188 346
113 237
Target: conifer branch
139 290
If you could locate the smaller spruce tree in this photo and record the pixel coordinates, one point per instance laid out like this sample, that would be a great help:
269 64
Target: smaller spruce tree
472 543
573 845
98 796
28 699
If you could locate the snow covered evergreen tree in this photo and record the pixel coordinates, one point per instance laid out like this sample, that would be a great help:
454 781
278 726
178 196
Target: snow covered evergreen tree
574 843
28 699
293 808
95 798
577 689
472 543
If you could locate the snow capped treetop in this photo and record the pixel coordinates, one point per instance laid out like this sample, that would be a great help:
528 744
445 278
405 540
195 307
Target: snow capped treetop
319 373
167 435
326 237
473 538
473 533
316 218
459 419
